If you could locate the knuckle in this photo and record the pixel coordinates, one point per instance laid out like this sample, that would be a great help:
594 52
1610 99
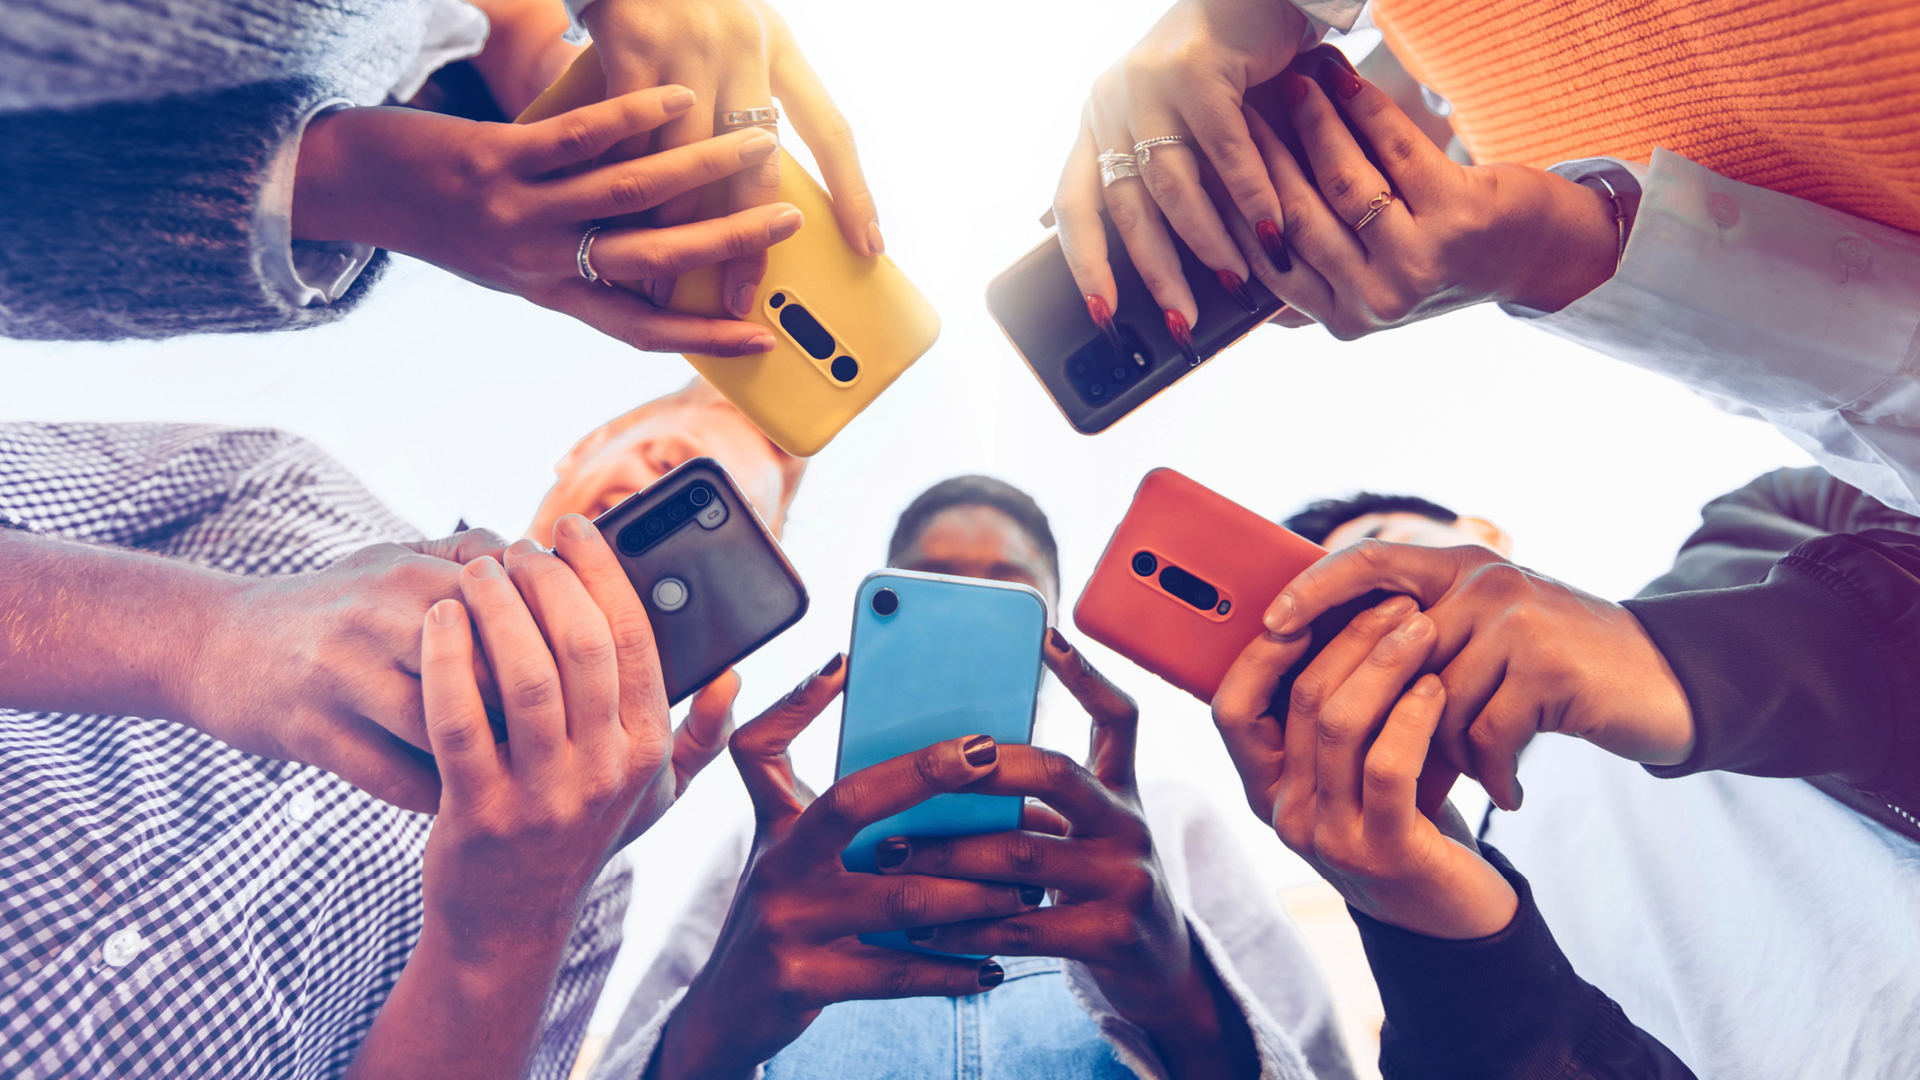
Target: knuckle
1026 856
1484 737
929 772
1016 936
587 650
1381 773
907 902
1308 695
632 189
574 138
1374 551
1340 185
648 257
836 806
530 690
1058 770
902 979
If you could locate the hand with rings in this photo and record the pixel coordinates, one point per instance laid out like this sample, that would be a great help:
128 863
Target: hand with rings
736 56
1163 143
510 207
1376 249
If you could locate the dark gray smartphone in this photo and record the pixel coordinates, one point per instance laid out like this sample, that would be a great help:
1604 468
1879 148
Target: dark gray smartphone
714 581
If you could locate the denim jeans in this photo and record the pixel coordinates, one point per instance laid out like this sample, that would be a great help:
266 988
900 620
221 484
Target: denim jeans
1027 1028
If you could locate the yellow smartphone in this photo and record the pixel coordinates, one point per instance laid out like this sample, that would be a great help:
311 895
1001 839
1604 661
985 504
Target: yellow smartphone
844 326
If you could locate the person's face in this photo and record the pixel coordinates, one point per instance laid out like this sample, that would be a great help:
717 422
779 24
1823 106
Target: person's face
1405 527
980 542
627 454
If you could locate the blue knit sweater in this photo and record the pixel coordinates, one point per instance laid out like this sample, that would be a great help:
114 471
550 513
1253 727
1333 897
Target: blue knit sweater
135 138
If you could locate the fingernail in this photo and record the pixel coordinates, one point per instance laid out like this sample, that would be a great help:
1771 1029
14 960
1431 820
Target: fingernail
1280 616
572 526
758 343
1275 245
1182 336
992 975
874 241
831 666
444 613
759 146
1032 894
1397 608
1428 686
660 292
1415 628
891 853
920 933
520 549
676 98
1519 793
484 567
1059 640
1102 317
1336 70
785 224
1236 287
742 301
980 750
1293 88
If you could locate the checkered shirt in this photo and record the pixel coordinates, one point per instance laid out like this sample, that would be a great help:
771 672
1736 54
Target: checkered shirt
171 906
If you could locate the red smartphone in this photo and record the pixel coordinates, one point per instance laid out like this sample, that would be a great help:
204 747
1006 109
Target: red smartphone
1184 584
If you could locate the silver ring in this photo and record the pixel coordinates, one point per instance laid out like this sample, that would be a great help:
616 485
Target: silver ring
740 118
584 258
1143 150
1116 165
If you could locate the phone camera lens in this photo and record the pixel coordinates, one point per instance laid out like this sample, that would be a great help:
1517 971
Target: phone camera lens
1096 390
1225 606
886 602
676 512
776 299
845 368
700 496
1145 564
1079 367
655 526
631 541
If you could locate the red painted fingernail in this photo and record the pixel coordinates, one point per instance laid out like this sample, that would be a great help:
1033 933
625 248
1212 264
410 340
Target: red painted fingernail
831 666
1275 245
891 852
1336 70
1102 317
1293 88
1237 288
1059 640
992 975
1182 336
921 933
980 750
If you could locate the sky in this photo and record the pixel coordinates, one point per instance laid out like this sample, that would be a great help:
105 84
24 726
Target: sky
451 401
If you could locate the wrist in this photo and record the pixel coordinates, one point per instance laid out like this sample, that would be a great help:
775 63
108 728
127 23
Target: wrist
1479 903
701 1041
338 189
1569 239
213 645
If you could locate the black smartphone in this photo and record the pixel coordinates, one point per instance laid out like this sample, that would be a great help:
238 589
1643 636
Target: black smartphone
1040 309
714 581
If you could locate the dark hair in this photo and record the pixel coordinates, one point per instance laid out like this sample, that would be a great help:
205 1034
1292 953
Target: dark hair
1320 518
975 491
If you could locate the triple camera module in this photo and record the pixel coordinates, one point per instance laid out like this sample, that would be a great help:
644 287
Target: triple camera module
1099 372
800 324
696 502
1181 585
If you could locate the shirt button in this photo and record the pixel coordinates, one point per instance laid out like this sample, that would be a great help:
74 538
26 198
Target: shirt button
122 946
300 807
1852 253
1725 212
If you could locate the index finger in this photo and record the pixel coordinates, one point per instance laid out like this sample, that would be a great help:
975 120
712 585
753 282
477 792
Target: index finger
1423 573
1116 719
878 791
580 135
1060 782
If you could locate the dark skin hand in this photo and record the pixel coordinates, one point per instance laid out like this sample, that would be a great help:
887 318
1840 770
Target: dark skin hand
1113 910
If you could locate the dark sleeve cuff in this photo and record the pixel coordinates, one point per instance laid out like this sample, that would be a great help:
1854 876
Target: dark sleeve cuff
1504 1007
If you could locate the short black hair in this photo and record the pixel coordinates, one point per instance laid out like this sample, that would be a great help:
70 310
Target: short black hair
1318 520
976 491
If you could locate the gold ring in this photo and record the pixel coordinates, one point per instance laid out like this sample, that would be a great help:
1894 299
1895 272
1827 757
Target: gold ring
1380 202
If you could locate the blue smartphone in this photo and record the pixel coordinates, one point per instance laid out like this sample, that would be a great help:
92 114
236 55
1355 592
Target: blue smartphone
937 657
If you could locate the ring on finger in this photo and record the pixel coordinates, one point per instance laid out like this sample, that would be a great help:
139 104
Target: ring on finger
1380 202
1143 150
1117 165
766 117
584 257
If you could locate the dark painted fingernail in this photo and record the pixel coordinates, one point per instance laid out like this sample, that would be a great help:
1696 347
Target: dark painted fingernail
1236 287
921 933
891 852
1335 70
1519 794
980 750
1032 894
1275 245
1293 88
1182 336
992 975
832 666
1059 640
1103 318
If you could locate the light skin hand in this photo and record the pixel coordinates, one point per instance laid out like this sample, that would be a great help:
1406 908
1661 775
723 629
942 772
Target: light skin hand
1518 653
1454 235
733 55
1087 843
1341 781
790 945
1187 76
504 206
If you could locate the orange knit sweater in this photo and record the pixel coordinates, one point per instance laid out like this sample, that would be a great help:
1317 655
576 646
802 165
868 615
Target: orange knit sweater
1818 99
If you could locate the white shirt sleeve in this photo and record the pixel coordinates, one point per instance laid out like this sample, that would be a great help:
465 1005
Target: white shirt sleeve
1793 312
306 272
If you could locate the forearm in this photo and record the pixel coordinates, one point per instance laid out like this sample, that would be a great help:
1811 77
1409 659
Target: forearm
103 630
1205 1036
460 1009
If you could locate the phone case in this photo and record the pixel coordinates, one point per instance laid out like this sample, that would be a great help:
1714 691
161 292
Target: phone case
958 656
845 326
714 581
1044 316
1234 560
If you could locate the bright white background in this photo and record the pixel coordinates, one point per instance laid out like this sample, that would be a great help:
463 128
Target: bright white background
451 401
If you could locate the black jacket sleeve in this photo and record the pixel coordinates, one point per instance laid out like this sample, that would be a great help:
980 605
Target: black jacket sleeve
1505 1007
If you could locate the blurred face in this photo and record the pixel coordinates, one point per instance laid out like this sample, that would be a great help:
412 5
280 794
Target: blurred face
980 542
626 454
1404 527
